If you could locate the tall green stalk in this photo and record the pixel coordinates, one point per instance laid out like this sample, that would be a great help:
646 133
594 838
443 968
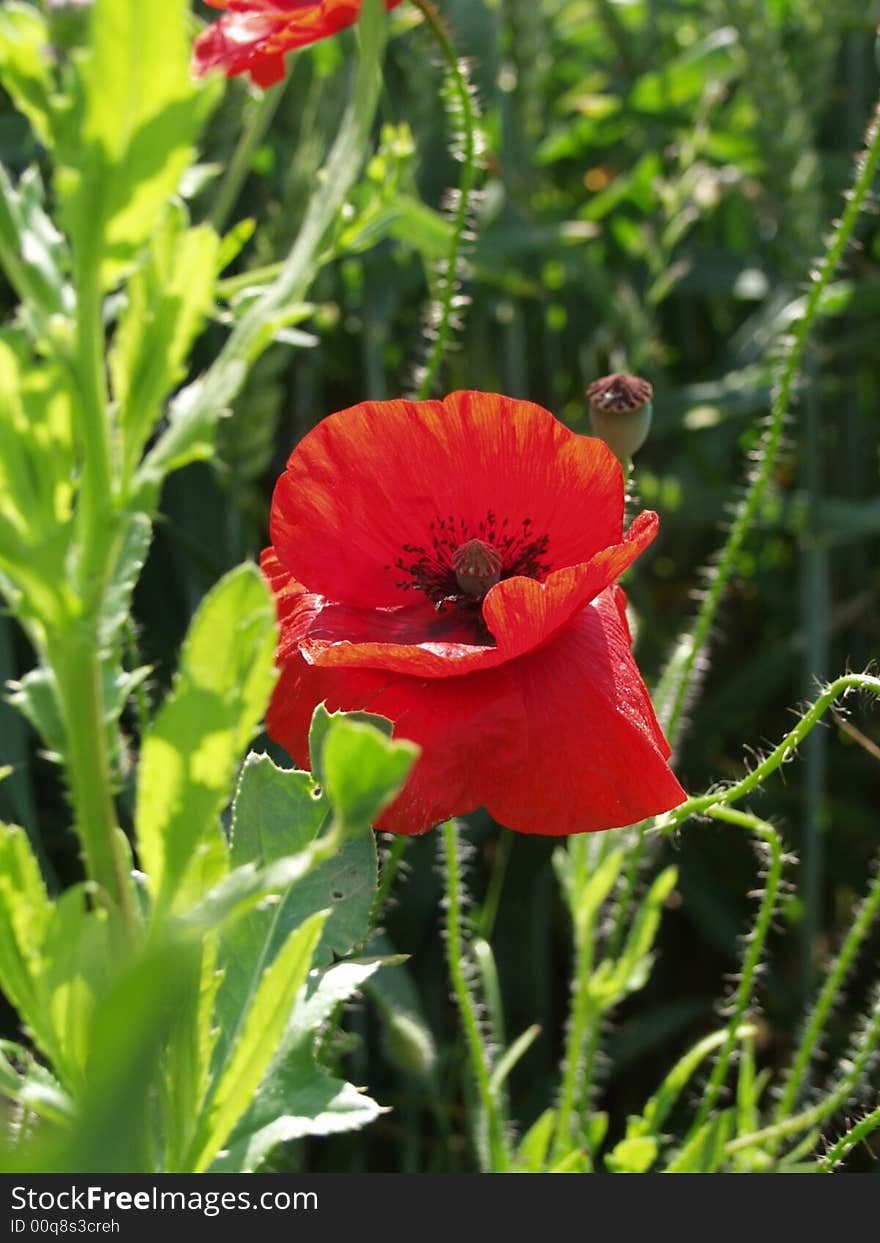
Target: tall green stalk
443 311
492 1142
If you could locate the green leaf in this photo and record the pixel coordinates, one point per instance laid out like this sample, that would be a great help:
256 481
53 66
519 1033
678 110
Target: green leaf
76 963
190 754
125 151
33 254
167 300
633 1155
705 1152
512 1055
137 533
25 913
298 1097
190 1049
322 722
264 1019
36 469
279 813
113 1130
32 1086
658 1107
24 66
615 980
531 1156
36 698
362 770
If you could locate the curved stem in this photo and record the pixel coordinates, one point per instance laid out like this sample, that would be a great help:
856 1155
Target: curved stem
240 164
495 1157
448 280
784 751
675 685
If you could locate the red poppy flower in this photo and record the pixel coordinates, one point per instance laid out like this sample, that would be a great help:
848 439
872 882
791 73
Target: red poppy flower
253 36
451 566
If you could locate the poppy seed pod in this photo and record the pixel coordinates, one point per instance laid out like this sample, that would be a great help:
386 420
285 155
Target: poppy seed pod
620 412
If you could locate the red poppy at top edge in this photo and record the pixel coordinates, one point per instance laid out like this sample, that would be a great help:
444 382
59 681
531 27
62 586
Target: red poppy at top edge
253 36
452 566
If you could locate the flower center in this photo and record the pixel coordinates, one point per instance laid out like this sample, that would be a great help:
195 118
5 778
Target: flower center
477 567
462 561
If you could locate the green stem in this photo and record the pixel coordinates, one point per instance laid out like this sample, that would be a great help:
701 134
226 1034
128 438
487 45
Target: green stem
765 833
861 1054
75 654
584 1018
78 673
583 1013
861 926
449 279
675 685
784 751
855 1135
240 164
495 1159
386 878
492 900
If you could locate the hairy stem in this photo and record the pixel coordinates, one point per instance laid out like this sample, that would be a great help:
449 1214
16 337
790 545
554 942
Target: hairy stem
448 281
784 751
495 1158
766 834
840 1150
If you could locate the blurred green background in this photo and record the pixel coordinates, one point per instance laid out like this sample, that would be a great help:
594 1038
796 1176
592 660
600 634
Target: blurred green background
659 175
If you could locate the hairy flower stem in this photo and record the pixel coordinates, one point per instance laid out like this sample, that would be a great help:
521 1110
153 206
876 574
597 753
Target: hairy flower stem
784 751
387 875
677 681
449 279
240 164
766 834
868 912
840 1150
585 1016
495 1158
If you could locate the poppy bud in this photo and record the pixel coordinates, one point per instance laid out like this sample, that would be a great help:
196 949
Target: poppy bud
620 412
408 1044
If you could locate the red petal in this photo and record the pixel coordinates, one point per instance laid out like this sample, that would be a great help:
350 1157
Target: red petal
564 740
520 612
265 71
593 755
465 727
371 479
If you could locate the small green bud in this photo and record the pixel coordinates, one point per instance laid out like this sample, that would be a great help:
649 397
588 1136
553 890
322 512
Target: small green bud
620 412
408 1044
